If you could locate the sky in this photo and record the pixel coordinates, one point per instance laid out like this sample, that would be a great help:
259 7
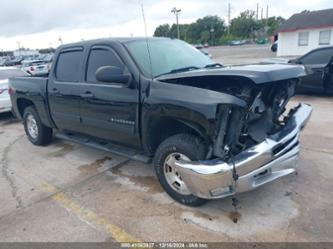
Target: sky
40 23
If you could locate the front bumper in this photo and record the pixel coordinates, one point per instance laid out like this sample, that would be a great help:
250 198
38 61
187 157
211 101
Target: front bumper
271 159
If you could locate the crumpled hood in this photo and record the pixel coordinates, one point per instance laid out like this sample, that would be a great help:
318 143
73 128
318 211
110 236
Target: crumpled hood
257 73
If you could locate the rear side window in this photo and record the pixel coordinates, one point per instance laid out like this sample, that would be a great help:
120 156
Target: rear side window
100 57
69 66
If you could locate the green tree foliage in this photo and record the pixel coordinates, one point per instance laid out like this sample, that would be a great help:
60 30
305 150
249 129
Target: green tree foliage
212 29
273 23
162 30
205 35
244 25
198 30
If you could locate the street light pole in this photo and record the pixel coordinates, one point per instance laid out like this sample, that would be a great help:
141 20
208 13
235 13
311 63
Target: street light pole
19 47
176 12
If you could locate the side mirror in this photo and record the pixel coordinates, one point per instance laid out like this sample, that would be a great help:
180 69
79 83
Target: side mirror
112 75
295 61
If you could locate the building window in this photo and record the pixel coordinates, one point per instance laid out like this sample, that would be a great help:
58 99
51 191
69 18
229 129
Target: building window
303 38
324 37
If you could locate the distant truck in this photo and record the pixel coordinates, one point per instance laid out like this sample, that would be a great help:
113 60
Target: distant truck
211 131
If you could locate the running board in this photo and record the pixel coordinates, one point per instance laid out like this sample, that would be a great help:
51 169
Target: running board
104 145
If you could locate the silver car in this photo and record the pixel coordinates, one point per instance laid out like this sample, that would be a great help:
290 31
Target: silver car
35 67
5 74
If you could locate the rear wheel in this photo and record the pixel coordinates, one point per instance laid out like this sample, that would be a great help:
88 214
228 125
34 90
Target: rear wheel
178 147
37 133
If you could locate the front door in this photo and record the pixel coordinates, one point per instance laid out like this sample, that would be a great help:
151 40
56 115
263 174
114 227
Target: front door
109 110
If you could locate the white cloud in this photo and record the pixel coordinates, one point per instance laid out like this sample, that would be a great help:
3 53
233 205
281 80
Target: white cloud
40 23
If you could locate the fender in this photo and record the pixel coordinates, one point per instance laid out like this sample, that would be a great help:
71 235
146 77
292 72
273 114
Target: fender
192 106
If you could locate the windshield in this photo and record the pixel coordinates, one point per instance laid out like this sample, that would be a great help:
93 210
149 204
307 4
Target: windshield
167 56
9 73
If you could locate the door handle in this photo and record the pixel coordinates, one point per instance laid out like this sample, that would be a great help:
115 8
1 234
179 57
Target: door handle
55 92
87 95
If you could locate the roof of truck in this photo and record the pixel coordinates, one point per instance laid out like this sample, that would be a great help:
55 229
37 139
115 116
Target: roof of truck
113 39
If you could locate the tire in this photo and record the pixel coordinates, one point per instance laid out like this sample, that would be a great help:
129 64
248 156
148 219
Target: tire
190 148
37 133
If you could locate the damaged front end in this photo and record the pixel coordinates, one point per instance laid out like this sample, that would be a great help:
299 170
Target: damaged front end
264 162
253 145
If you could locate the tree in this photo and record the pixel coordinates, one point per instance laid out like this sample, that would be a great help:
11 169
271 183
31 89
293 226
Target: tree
204 25
273 23
244 25
205 35
212 29
182 30
162 30
204 29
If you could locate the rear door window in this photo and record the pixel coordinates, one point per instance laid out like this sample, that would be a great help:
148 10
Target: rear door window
99 57
69 66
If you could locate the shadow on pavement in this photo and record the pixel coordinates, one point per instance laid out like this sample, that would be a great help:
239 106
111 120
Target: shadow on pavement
7 118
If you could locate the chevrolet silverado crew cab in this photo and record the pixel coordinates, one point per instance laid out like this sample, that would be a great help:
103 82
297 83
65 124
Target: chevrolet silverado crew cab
212 131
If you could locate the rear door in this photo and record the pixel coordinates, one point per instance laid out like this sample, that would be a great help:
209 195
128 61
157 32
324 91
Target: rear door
315 63
109 110
64 89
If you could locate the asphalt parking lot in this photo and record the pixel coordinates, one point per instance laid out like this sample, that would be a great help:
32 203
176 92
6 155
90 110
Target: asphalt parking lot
67 192
245 54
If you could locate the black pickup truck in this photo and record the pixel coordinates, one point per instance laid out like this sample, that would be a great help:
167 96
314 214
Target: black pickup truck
212 131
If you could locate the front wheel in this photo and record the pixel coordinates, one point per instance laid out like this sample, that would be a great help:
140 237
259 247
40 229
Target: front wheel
37 133
181 146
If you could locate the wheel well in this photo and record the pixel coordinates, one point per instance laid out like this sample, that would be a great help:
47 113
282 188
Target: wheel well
22 104
162 128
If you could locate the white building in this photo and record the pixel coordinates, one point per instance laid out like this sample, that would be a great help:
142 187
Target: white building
304 32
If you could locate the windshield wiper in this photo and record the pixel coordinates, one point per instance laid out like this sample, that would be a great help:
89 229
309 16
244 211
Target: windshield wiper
213 65
179 70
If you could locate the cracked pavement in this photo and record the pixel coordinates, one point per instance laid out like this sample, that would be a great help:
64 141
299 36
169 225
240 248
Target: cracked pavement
68 192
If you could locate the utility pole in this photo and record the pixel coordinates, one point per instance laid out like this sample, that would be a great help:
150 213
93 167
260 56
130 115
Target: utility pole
262 13
212 34
267 15
19 47
176 12
60 40
229 12
257 11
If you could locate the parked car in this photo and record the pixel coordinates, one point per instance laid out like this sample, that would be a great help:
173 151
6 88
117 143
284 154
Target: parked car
5 74
2 61
13 61
211 131
203 50
238 42
35 67
317 65
274 46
